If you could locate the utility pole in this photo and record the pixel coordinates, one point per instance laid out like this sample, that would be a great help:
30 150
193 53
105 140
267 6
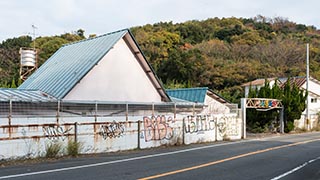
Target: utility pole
307 87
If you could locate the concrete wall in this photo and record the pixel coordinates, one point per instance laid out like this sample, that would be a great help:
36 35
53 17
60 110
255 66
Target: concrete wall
311 123
117 77
26 137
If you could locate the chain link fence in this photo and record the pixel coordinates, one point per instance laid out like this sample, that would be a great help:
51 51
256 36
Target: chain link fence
62 109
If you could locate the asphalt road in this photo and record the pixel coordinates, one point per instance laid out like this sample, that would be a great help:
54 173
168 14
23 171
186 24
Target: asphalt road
287 157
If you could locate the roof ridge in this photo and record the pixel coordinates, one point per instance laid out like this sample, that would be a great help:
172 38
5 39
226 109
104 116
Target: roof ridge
89 39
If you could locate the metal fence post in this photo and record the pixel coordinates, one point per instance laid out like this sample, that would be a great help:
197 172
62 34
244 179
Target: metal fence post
58 110
96 112
75 132
183 130
175 111
139 128
10 113
127 111
216 128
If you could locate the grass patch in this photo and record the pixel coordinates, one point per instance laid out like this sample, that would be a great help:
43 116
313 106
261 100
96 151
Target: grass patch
226 138
301 130
73 148
53 150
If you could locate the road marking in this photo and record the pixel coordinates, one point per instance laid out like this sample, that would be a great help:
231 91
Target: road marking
121 160
225 160
295 169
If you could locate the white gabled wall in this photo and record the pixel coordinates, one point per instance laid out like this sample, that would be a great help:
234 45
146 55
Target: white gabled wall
314 107
214 106
117 77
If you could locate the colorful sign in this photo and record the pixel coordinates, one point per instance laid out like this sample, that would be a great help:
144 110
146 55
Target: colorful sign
261 103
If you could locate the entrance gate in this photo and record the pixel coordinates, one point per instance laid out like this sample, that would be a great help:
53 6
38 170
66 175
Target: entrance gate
260 104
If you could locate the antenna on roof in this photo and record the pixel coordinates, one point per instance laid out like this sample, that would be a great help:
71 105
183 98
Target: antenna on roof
28 58
34 35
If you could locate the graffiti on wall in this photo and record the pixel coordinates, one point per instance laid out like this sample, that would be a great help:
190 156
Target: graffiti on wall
233 126
198 124
222 125
56 132
157 128
228 125
112 130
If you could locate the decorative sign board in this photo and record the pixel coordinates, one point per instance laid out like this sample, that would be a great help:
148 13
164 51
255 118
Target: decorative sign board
262 103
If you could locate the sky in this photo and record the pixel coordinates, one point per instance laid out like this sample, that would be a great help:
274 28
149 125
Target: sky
55 17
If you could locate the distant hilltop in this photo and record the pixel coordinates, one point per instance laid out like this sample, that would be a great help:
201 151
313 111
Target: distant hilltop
219 53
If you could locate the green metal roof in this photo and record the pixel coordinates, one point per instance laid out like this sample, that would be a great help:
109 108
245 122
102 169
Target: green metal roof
190 94
7 94
177 100
65 68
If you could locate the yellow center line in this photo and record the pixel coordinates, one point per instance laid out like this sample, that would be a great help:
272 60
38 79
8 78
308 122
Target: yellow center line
227 159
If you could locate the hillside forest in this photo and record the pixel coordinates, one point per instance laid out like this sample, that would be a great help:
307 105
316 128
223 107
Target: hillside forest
219 53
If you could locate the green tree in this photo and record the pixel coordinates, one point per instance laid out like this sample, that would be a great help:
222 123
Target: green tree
156 46
9 65
276 91
294 103
191 32
16 43
227 33
13 84
183 66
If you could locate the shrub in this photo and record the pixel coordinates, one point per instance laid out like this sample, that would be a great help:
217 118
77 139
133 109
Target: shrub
226 138
256 128
289 127
53 150
73 148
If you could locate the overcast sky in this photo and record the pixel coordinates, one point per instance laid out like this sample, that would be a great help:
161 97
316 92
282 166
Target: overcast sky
55 17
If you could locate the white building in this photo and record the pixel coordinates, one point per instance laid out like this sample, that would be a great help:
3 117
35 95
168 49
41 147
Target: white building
257 84
313 102
110 67
214 103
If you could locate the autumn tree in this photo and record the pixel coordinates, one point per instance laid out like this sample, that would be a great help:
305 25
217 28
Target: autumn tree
220 53
157 46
